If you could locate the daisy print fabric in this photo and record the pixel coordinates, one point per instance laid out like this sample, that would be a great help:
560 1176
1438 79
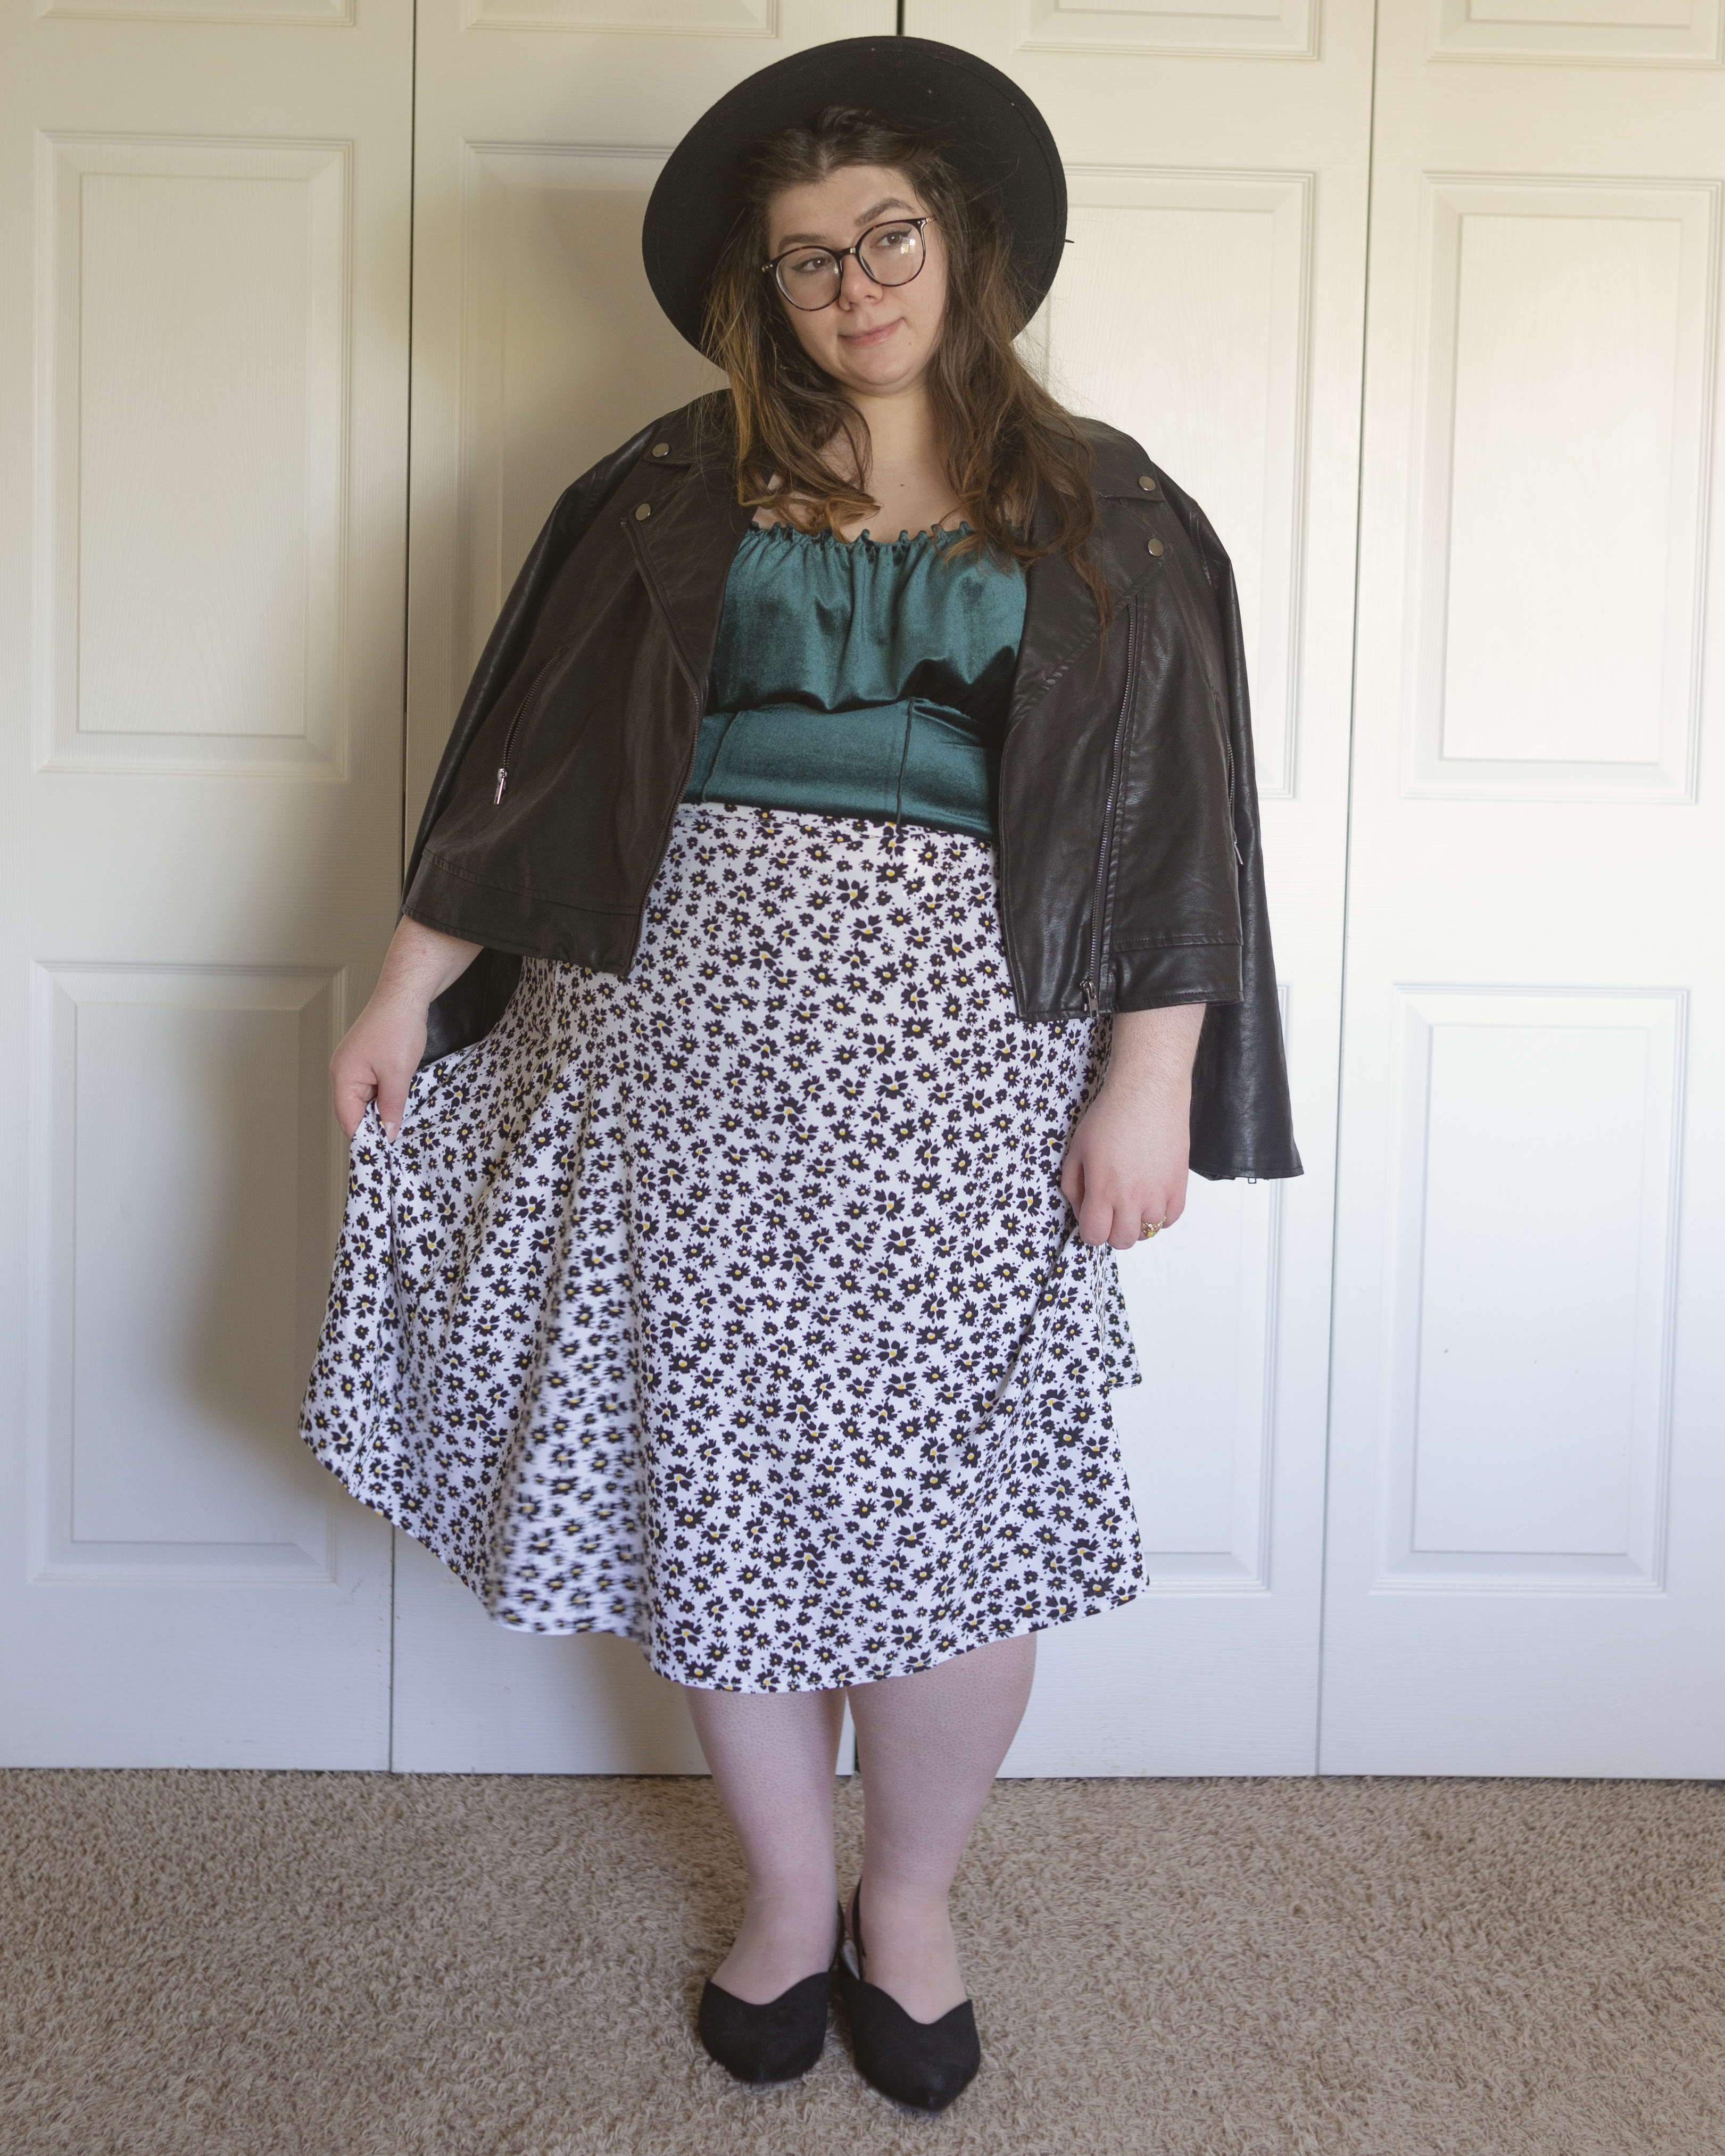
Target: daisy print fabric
734 1306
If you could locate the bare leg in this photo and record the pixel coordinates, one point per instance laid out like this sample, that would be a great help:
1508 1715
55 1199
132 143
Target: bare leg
929 1747
773 1756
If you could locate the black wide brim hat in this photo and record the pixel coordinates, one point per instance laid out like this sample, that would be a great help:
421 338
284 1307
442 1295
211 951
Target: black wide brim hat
979 120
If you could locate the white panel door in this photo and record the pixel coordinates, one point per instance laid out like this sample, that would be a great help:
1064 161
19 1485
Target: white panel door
541 128
204 385
1527 1497
1211 305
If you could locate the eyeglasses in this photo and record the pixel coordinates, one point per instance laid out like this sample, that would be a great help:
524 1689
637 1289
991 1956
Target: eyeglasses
813 277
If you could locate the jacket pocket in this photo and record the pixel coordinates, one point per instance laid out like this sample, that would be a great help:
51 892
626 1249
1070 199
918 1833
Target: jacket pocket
514 726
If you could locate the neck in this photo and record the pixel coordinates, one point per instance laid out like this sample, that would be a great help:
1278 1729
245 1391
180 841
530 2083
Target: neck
901 429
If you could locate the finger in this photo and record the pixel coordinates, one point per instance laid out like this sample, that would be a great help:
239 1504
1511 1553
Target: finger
1160 1215
1131 1220
393 1099
1095 1220
1072 1183
352 1095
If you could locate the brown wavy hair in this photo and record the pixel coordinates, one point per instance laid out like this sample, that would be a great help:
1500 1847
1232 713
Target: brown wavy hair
1014 454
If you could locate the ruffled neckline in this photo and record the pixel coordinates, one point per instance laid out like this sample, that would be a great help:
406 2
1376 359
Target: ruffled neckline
904 543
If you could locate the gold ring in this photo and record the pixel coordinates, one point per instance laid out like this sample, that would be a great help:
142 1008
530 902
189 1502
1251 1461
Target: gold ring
1147 1228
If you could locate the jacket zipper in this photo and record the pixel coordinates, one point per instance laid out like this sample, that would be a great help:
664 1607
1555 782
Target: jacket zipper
1002 871
1092 986
515 728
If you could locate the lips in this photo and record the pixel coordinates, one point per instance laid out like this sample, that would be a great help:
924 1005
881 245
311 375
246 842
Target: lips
871 336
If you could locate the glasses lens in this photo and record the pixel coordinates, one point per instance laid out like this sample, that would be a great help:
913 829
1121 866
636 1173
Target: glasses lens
808 277
892 253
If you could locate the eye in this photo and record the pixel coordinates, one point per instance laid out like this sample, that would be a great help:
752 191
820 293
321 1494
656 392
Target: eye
893 239
817 263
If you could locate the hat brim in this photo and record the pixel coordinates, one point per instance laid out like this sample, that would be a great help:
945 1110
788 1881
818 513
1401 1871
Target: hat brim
983 123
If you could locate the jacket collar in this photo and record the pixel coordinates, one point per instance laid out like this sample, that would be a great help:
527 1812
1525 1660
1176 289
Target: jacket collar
697 437
1118 469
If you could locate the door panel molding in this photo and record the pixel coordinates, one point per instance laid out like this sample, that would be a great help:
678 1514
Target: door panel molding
296 14
1626 34
1233 29
644 18
179 1239
1554 311
192 502
1526 1425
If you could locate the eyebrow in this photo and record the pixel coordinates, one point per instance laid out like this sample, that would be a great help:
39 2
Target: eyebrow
865 218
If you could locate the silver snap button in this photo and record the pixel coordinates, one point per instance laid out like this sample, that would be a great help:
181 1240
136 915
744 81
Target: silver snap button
660 450
643 511
1156 546
1147 483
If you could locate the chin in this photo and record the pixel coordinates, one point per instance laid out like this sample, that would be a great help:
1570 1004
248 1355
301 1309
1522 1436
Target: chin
883 368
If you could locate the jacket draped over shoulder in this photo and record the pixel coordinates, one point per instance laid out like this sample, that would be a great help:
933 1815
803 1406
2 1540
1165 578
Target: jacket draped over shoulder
1129 866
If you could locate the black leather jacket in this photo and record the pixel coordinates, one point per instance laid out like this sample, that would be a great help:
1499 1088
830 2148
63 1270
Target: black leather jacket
1128 859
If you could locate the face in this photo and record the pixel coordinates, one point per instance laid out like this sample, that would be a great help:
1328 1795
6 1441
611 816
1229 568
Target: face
874 340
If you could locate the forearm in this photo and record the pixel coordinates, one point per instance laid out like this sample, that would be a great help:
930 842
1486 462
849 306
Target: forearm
1126 1163
1151 1063
379 1053
421 962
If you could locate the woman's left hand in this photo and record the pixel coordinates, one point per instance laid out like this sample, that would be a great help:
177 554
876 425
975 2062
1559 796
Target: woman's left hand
1125 1162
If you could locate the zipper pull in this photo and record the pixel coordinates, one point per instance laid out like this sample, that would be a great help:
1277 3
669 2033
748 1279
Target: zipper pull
502 781
1090 998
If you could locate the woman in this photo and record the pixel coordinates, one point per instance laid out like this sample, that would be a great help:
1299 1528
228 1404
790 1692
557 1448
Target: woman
847 845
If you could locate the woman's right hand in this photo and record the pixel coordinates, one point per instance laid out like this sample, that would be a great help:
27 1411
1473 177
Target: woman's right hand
381 1050
376 1061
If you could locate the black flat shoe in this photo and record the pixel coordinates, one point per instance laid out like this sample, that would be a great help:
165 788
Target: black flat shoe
924 2065
776 2041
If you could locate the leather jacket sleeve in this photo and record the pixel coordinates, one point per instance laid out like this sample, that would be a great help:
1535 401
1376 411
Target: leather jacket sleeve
468 1010
1132 872
1242 1119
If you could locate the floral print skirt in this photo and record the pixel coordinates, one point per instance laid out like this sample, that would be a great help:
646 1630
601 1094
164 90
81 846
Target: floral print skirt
734 1306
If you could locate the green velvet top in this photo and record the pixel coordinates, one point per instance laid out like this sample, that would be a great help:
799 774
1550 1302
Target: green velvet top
861 680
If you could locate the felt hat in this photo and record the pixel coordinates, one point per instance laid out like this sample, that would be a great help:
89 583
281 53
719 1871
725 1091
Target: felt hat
982 124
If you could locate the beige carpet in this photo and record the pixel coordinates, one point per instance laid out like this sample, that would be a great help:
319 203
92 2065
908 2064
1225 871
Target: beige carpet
354 1965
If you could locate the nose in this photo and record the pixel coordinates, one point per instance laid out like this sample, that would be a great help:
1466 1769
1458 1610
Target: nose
864 285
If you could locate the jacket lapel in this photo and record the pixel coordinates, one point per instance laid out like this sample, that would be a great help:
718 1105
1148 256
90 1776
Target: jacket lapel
685 542
1060 613
1060 620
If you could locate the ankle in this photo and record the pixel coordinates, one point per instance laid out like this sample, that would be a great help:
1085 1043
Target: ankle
781 1901
908 1948
905 1905
785 1919
784 1937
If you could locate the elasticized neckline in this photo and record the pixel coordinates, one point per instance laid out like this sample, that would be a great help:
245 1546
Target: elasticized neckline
905 540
